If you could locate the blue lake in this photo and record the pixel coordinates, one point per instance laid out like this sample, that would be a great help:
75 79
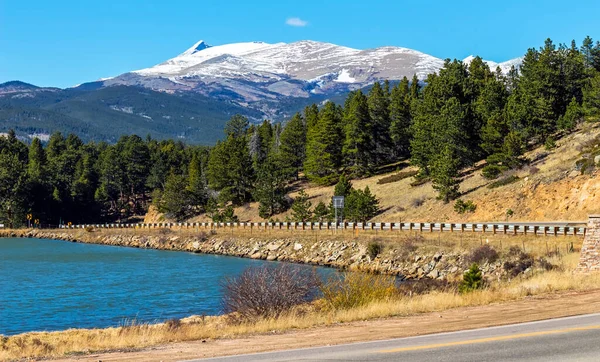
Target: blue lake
48 285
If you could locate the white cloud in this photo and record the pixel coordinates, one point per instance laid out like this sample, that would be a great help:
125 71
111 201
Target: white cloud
296 22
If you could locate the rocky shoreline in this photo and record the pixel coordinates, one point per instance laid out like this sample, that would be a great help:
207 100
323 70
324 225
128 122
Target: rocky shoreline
395 258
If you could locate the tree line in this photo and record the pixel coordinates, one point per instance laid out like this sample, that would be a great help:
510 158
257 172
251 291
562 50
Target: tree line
462 114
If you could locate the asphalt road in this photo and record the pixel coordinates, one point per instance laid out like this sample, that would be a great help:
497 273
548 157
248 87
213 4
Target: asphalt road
564 339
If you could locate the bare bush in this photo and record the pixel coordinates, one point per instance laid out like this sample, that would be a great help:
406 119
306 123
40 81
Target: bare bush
268 292
164 231
416 202
482 254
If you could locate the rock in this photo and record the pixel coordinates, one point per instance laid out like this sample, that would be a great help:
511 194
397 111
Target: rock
437 257
273 246
574 173
297 246
256 255
454 269
196 245
272 257
434 274
597 160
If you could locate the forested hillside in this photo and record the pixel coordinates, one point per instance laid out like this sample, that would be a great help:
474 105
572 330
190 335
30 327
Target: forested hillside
104 114
462 115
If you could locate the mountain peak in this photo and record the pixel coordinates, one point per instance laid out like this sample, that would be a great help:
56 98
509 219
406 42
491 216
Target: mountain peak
199 46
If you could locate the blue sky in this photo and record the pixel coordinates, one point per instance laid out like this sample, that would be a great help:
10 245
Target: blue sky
66 42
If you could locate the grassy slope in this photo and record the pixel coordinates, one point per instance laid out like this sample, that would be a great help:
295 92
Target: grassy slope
548 189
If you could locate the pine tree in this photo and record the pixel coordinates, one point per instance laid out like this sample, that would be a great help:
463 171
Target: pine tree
415 88
36 167
321 212
591 96
444 174
270 187
229 168
197 183
323 151
301 208
176 200
343 187
361 205
572 116
358 143
378 102
293 144
400 118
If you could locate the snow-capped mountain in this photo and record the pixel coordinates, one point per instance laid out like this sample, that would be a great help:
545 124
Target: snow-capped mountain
260 75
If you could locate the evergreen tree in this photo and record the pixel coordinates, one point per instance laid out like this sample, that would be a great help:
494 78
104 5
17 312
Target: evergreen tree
378 102
293 144
197 182
361 205
270 188
229 167
176 200
572 116
323 151
36 167
321 212
301 208
358 143
591 96
415 88
343 187
444 174
400 118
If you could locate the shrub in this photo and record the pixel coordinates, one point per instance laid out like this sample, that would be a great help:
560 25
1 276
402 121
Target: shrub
416 202
268 292
164 231
408 247
516 267
89 229
504 181
550 143
355 289
461 206
173 324
396 177
584 165
482 254
472 279
491 172
420 181
373 249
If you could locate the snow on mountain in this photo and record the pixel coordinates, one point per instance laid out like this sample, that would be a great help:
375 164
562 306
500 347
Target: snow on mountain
259 74
504 66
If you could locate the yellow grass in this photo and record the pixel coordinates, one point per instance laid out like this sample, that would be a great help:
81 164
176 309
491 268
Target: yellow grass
547 194
73 342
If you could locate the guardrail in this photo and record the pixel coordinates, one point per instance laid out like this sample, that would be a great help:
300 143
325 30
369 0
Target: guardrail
546 229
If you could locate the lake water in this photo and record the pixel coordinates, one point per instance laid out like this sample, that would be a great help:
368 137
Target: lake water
48 285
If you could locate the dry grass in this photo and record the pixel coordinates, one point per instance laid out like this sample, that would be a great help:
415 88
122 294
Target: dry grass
135 336
545 195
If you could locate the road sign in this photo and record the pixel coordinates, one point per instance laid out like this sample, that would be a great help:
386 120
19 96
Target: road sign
338 202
